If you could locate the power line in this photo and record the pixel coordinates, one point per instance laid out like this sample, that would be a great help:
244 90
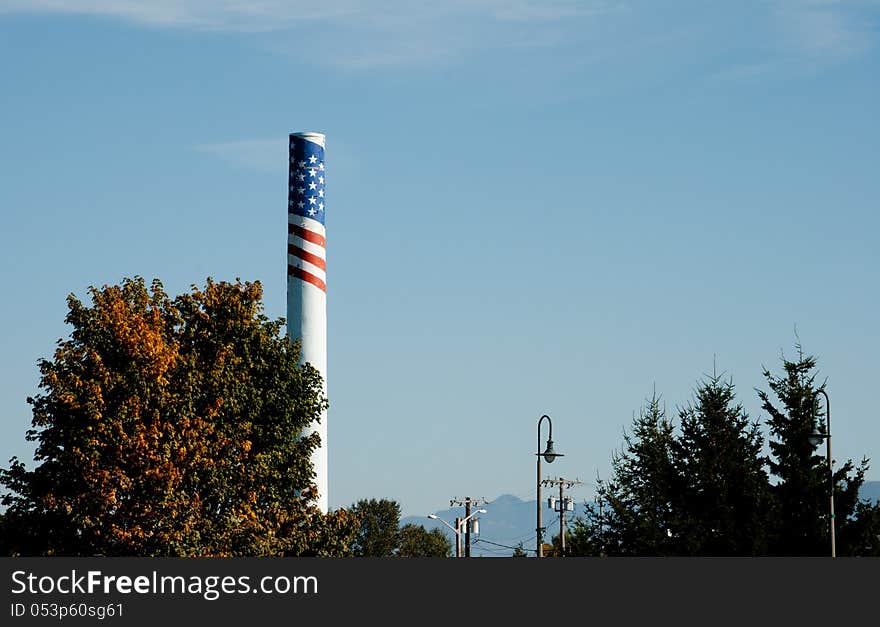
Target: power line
480 540
494 551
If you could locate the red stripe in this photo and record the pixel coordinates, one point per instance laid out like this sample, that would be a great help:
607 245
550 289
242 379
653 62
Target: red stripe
307 277
307 235
307 256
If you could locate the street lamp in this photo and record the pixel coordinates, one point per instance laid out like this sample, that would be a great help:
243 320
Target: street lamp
816 438
459 523
549 454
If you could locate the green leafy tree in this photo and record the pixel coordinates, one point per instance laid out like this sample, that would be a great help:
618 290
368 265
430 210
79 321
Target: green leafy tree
5 536
801 520
378 530
723 504
172 427
416 541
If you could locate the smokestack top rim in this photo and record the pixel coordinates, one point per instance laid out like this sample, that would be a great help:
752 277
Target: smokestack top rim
318 138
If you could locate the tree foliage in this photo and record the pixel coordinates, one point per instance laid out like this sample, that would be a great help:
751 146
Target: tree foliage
801 493
170 427
416 541
705 488
723 505
640 497
378 524
379 533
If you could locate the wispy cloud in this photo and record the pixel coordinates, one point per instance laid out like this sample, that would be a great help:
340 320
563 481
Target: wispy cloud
824 30
784 34
350 33
802 37
242 15
524 11
233 15
255 154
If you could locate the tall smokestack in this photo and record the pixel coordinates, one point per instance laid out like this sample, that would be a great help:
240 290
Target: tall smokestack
306 274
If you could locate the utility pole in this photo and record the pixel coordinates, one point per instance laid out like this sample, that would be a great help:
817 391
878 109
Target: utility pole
565 503
467 502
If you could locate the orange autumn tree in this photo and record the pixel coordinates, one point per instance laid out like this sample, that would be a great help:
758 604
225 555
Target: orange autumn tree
169 427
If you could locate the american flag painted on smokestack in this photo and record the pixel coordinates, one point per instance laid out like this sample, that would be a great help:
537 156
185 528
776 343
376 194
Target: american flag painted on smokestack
305 204
307 273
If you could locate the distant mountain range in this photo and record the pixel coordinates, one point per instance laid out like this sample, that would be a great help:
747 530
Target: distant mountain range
510 521
507 522
870 491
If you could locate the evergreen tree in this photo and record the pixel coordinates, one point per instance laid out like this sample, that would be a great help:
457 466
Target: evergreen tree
722 508
639 500
701 492
706 491
863 530
582 539
582 536
801 518
587 535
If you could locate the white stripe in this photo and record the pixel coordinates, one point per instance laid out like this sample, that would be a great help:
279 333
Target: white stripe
293 260
315 138
307 223
309 247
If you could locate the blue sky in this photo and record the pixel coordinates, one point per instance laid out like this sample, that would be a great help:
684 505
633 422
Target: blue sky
533 207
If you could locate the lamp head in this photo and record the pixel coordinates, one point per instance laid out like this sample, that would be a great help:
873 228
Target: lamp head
549 454
815 438
432 516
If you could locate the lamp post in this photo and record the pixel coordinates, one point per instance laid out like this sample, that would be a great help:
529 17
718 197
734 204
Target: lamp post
459 523
549 454
815 439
